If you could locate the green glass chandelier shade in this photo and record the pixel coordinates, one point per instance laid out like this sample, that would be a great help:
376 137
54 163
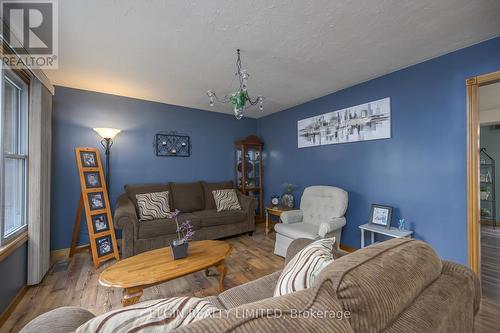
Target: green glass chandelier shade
239 100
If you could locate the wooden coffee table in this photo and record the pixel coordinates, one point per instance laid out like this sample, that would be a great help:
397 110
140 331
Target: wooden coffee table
157 266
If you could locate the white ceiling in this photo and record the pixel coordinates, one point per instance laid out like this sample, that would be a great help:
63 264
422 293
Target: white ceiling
489 97
173 51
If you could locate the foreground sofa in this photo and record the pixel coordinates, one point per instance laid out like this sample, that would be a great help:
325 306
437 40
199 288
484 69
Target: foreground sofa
399 285
196 203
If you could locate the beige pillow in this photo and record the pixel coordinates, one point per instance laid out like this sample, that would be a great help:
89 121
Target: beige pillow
226 200
305 266
153 206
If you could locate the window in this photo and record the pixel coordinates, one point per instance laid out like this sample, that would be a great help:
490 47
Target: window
14 157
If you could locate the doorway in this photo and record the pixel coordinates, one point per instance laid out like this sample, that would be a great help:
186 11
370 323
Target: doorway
483 181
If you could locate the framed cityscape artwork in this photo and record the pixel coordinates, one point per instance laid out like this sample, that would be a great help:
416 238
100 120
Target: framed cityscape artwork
369 121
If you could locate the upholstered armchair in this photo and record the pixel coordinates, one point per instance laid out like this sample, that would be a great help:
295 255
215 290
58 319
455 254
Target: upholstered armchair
321 215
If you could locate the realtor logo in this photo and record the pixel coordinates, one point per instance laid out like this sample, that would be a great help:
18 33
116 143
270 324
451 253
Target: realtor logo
30 28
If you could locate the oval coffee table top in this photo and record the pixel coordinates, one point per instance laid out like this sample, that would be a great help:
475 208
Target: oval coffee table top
157 266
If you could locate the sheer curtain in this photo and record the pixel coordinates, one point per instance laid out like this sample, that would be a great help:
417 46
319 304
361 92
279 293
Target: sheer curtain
39 164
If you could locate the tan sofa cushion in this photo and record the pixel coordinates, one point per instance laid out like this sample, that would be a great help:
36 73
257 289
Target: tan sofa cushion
209 187
249 292
212 217
133 190
381 281
187 197
160 227
64 319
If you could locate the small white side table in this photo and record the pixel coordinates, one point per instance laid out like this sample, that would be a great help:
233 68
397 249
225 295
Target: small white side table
375 229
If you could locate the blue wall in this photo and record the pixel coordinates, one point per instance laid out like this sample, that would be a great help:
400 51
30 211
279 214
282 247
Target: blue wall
13 271
76 112
421 170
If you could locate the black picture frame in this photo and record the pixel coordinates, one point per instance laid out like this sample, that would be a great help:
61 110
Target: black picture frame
96 200
100 223
88 159
381 215
92 179
104 245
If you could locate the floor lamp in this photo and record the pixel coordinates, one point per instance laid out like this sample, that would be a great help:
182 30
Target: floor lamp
107 135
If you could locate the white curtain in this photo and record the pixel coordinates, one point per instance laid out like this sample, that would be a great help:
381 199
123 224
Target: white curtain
39 157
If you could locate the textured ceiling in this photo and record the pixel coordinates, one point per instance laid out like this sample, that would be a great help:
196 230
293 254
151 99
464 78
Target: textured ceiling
295 51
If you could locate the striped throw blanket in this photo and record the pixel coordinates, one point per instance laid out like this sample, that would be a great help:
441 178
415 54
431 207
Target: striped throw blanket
162 315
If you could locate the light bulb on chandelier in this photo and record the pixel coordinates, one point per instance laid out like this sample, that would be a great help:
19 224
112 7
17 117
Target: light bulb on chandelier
241 99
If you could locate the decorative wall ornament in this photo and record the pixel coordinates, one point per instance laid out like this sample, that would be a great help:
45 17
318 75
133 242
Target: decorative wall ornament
241 99
172 144
369 121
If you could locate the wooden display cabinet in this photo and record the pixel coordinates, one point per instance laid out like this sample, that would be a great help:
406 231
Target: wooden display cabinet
249 169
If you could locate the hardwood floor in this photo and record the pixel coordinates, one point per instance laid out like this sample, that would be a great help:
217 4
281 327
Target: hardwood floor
75 283
489 316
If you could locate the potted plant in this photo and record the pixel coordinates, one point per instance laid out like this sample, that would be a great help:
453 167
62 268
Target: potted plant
184 232
287 199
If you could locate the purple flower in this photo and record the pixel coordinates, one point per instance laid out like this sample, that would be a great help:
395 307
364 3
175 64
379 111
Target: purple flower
184 230
174 214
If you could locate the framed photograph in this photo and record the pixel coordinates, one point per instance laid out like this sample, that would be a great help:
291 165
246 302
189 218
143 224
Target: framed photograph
381 215
96 200
104 245
89 159
92 179
100 223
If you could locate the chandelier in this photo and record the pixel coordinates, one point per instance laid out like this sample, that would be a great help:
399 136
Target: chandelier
241 99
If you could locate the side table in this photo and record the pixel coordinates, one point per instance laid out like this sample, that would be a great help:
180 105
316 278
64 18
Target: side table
374 229
274 211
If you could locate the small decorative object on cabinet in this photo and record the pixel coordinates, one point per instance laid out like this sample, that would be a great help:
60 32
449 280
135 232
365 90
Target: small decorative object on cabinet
249 168
275 201
487 187
401 225
172 144
287 198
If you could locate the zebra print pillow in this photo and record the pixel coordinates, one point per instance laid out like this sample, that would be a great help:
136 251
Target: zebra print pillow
305 266
226 200
153 206
162 315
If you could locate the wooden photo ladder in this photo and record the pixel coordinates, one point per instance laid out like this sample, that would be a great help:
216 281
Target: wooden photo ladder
94 197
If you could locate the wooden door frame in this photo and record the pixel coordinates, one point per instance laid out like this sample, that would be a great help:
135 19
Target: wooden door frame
473 137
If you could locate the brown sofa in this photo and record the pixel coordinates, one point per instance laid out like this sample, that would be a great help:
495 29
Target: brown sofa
399 285
196 203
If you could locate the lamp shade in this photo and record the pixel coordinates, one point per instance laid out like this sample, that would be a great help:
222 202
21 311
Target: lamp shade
107 133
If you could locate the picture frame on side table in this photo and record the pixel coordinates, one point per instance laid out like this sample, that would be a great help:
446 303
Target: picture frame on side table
381 215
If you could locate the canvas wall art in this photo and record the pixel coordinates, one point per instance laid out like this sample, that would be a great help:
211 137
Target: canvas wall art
369 121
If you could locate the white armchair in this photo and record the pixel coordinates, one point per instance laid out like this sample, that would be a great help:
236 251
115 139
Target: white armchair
321 215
